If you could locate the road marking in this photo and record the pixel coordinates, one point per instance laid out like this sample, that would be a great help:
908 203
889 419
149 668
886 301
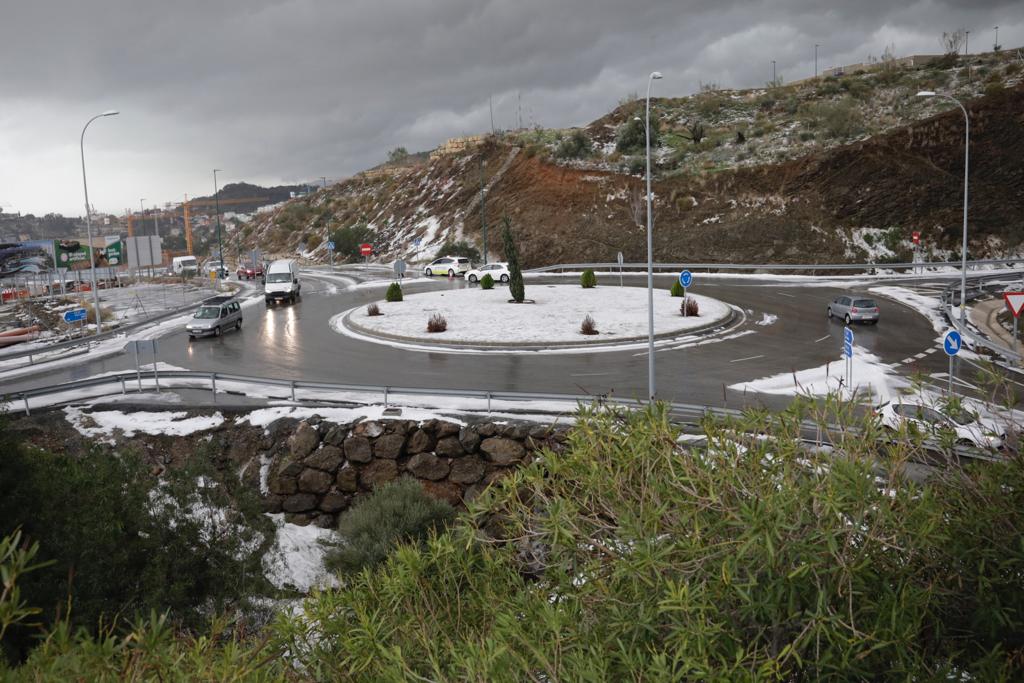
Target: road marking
590 374
827 336
907 360
791 296
740 360
919 356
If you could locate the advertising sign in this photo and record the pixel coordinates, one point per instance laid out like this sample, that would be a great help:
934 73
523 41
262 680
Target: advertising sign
29 257
74 255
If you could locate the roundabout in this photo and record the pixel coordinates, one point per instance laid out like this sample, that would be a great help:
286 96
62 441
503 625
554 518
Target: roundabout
486 319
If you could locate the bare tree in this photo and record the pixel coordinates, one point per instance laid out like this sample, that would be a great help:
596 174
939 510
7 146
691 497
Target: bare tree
952 42
695 131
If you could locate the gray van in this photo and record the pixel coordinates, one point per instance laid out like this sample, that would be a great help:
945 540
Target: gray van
214 317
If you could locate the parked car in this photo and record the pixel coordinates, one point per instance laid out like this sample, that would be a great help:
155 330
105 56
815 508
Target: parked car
965 426
282 281
448 265
498 271
214 316
854 309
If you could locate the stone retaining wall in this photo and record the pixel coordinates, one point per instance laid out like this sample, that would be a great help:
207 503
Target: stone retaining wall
315 469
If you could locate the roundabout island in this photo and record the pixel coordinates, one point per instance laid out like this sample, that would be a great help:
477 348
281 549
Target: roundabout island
476 318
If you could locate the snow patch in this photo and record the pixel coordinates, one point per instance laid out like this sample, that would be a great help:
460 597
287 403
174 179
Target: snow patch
296 559
104 423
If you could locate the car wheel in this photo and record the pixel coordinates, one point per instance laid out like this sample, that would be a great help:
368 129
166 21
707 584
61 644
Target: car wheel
504 278
238 325
472 278
216 331
451 273
428 272
191 338
847 319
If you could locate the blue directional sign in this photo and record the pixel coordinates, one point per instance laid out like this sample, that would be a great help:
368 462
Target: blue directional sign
951 343
75 315
848 342
685 278
330 246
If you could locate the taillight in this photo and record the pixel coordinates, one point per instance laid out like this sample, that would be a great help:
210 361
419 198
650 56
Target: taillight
853 310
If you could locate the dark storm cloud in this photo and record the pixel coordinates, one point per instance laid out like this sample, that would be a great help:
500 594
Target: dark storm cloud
295 90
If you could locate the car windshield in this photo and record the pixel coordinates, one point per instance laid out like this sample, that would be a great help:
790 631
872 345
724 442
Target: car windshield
865 303
279 277
207 313
189 263
962 417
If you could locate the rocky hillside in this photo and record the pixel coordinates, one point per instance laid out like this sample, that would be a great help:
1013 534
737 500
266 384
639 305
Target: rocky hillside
830 169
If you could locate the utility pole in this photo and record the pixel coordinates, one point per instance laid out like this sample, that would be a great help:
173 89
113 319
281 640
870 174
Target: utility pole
490 104
815 60
773 74
995 48
483 215
324 179
142 223
216 201
967 40
156 229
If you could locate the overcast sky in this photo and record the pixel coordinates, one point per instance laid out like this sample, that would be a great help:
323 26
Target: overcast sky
288 91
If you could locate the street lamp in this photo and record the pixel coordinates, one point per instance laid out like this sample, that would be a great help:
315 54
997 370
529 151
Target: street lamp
656 75
816 60
216 201
88 218
483 214
963 245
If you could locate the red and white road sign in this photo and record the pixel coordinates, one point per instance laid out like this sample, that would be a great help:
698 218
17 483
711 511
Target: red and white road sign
1015 302
917 236
365 249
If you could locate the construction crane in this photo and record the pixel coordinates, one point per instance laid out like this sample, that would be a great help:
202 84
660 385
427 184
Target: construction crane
189 203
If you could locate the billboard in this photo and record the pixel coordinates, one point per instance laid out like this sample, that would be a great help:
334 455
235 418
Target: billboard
74 255
25 258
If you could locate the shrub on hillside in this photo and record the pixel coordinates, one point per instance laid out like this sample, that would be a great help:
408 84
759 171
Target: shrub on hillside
837 120
437 323
487 282
576 146
676 289
689 307
394 292
459 248
588 279
373 309
588 326
347 240
631 137
399 512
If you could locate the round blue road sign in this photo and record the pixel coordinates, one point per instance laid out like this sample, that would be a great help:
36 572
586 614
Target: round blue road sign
685 278
951 343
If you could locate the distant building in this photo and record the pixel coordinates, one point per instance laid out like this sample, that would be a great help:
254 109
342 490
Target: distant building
456 146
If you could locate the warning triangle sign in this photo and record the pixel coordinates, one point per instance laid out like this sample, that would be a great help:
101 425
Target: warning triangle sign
1015 302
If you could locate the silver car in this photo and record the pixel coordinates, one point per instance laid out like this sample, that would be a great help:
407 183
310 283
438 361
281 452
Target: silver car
214 317
854 309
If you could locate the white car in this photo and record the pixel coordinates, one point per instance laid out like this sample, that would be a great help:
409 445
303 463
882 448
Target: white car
498 271
966 428
448 265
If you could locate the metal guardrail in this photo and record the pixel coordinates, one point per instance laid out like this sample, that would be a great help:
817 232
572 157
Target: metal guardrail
775 266
976 285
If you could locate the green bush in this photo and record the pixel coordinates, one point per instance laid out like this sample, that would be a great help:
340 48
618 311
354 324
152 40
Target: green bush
677 289
631 138
396 513
460 248
751 558
838 120
120 544
588 279
576 146
394 292
347 240
487 282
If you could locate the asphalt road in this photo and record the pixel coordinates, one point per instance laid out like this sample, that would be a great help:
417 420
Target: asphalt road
295 341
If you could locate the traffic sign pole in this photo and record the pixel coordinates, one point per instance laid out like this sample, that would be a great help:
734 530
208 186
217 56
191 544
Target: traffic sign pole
951 344
685 280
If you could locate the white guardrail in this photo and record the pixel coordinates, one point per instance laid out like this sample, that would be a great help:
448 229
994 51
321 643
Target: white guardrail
669 267
976 286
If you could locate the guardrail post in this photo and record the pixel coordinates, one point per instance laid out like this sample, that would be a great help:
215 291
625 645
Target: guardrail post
488 403
123 389
293 390
386 396
25 398
213 385
30 361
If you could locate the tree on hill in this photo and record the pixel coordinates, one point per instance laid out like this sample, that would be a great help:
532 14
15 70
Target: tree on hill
630 138
398 155
348 239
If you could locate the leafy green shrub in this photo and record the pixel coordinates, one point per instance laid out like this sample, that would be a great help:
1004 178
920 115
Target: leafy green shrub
588 279
839 120
394 292
120 544
631 137
459 248
636 165
588 565
576 146
487 282
347 240
396 513
677 289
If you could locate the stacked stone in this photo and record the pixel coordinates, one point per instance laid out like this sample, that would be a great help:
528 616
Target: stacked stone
319 468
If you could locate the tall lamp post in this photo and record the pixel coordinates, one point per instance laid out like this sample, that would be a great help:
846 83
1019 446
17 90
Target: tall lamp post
220 245
816 60
963 244
483 215
88 217
650 248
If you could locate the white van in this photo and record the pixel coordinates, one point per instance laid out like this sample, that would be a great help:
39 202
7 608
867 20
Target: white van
184 265
282 281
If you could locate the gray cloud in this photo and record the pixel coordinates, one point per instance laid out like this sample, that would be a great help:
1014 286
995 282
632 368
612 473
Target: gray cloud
292 90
